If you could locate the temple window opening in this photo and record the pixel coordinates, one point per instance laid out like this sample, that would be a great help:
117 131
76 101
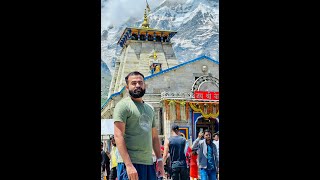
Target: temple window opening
155 68
134 36
165 38
158 39
150 38
142 37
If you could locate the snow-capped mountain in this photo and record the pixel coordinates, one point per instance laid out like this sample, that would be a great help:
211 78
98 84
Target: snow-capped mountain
105 81
196 21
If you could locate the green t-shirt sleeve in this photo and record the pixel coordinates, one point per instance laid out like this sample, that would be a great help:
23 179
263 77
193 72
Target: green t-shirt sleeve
153 119
153 115
120 112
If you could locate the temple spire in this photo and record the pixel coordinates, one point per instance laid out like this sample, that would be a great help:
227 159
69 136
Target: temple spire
145 23
148 7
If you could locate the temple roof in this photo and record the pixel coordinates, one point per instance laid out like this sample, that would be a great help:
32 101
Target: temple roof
180 65
149 29
143 30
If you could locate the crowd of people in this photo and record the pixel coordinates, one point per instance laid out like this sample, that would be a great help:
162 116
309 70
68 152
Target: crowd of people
109 161
137 152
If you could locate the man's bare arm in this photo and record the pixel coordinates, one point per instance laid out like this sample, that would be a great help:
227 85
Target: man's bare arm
166 150
156 143
156 149
119 130
108 154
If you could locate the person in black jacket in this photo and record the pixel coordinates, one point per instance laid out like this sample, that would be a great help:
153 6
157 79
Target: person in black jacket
105 162
175 145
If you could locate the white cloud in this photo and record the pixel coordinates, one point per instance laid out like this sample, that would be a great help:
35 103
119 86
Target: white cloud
116 12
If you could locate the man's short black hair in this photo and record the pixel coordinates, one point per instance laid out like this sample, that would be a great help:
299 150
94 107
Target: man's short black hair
111 137
101 143
134 73
207 130
175 127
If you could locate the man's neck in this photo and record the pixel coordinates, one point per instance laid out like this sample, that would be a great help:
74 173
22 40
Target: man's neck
174 134
208 141
137 99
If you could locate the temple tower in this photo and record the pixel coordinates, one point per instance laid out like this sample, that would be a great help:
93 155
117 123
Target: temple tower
144 49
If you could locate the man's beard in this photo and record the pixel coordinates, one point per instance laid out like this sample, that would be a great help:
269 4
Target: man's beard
137 93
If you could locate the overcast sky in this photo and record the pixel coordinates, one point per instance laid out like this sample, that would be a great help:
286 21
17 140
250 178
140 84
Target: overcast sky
116 12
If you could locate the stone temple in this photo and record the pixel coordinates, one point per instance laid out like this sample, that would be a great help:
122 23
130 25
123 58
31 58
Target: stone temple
186 94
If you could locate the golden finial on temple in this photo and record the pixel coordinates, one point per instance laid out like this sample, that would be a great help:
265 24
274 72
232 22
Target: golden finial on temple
145 23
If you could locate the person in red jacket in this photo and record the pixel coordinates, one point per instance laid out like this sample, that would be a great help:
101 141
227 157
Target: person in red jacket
194 165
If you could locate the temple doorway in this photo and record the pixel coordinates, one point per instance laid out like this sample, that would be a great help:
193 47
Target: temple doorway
202 124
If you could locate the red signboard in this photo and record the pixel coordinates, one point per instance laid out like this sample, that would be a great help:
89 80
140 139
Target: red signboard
206 95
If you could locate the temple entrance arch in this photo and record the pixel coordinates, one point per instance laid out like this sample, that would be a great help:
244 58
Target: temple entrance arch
206 83
201 124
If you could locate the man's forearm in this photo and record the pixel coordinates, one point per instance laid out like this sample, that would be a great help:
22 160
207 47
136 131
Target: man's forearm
108 154
195 143
156 148
166 151
165 156
156 145
122 148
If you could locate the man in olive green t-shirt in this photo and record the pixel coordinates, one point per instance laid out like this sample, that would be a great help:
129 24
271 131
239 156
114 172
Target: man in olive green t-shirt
136 134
